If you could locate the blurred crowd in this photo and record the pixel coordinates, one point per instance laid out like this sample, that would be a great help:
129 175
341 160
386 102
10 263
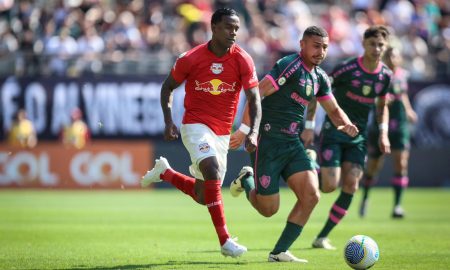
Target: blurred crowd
77 37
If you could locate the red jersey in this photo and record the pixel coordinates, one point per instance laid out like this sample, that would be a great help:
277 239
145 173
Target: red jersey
213 85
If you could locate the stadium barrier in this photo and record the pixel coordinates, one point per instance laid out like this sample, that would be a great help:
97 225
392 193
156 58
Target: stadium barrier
101 164
428 166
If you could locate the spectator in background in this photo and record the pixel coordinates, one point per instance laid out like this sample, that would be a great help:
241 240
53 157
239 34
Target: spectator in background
76 134
134 29
61 48
22 132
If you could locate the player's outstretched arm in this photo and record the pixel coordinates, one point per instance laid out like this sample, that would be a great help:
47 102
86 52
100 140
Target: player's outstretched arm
169 84
339 117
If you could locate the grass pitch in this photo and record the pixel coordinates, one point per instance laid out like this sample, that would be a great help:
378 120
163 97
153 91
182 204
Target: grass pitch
163 229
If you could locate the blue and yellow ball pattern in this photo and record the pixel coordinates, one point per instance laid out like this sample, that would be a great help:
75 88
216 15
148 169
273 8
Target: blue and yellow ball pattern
361 252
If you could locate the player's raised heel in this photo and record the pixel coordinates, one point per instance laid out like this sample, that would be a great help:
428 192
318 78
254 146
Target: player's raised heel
285 257
153 176
232 248
236 187
323 242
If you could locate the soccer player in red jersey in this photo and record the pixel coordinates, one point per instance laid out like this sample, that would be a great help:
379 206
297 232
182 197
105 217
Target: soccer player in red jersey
214 73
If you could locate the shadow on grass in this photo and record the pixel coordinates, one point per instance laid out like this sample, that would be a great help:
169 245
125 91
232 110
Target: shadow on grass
209 264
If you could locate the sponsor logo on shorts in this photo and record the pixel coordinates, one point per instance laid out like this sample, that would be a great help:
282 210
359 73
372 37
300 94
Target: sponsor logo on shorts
267 127
265 181
327 154
204 147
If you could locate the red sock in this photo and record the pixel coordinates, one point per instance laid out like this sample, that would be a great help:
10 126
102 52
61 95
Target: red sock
213 200
180 181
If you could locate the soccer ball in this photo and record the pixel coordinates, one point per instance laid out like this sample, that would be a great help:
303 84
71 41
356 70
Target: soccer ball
361 252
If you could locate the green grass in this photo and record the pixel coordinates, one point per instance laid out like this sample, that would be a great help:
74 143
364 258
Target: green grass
163 229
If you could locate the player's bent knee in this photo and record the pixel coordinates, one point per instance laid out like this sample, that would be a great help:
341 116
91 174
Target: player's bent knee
328 187
267 212
313 199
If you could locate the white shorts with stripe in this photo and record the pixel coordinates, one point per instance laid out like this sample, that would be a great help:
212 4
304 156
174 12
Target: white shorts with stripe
201 142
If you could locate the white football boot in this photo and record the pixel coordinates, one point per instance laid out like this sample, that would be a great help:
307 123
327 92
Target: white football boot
323 242
236 187
232 248
398 212
152 176
285 257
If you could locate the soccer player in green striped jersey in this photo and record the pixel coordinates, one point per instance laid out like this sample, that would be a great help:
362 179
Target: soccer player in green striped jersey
401 114
286 90
359 84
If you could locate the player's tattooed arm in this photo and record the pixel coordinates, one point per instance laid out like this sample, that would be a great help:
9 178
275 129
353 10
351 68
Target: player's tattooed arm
169 84
254 112
237 138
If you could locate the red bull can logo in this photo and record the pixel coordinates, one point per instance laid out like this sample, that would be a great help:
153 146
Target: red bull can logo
214 86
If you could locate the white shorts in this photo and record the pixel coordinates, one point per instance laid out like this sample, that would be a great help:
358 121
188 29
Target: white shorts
201 142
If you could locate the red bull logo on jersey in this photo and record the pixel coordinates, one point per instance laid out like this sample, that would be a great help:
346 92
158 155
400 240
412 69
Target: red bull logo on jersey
215 86
216 68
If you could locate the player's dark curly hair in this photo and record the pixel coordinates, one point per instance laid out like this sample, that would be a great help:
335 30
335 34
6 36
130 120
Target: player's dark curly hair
315 31
375 31
217 16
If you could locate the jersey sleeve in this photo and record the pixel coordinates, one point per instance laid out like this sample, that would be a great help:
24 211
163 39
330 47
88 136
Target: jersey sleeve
274 75
385 92
249 78
180 69
337 75
405 77
324 92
